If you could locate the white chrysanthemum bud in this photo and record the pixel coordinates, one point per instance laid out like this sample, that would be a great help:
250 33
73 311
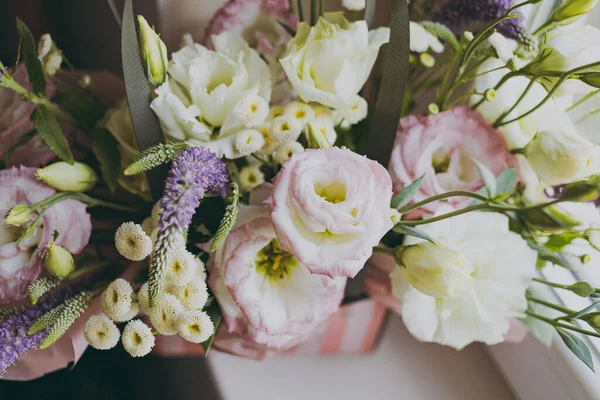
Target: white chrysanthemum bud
355 114
270 145
44 45
252 111
195 326
325 128
142 297
192 296
137 338
490 95
274 112
285 129
116 299
468 35
250 177
132 242
433 109
101 333
53 62
182 268
133 312
249 141
396 216
286 151
200 270
302 112
426 60
165 314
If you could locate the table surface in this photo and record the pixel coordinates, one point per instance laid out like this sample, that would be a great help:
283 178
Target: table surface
400 368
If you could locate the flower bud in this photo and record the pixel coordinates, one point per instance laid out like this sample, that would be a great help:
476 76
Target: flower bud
559 158
154 53
427 60
592 79
468 35
580 192
490 95
17 215
49 55
78 177
58 261
572 10
436 270
316 140
433 109
593 319
593 236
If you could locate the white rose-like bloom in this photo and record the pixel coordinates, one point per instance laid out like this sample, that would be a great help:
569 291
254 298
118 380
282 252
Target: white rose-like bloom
137 338
422 40
354 5
503 267
436 270
206 87
101 333
558 157
195 326
330 62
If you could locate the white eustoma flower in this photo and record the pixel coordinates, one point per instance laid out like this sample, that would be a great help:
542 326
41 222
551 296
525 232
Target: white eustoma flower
209 89
354 5
422 40
558 157
330 62
503 267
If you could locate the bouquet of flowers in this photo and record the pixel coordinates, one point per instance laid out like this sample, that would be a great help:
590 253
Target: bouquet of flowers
274 184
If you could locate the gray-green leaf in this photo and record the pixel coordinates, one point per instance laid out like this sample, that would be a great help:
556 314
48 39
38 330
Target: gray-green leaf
32 63
582 289
405 195
407 230
506 182
577 346
215 315
442 32
106 149
489 180
47 127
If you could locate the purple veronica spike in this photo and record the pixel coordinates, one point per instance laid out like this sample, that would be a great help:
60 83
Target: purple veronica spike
461 15
14 340
195 172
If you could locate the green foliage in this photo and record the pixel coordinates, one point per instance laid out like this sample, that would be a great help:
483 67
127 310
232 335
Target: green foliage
214 313
442 32
581 289
34 67
577 346
407 230
229 218
106 149
41 286
489 180
154 156
62 321
406 195
506 183
83 106
47 127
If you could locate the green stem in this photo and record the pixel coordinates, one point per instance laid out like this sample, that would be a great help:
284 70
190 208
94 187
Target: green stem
102 203
322 8
88 269
561 325
563 310
551 284
456 193
499 85
507 112
314 12
584 99
564 76
445 216
300 11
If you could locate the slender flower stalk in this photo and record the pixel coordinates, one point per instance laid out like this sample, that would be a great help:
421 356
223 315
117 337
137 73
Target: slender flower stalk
195 172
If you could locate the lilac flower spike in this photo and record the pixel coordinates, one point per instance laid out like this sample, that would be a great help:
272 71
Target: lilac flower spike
195 172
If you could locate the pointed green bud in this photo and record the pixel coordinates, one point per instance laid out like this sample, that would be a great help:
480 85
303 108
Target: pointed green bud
58 261
592 79
62 321
63 176
229 218
17 215
154 53
572 10
154 156
40 287
580 192
593 319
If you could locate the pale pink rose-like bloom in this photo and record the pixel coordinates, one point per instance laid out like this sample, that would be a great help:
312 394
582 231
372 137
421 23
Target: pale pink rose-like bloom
442 147
330 207
277 314
15 124
66 223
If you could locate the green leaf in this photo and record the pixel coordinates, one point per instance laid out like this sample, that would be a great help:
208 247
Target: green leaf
106 149
442 32
577 346
545 255
474 202
556 242
581 312
506 182
33 64
405 195
581 289
407 230
47 126
214 313
86 110
489 180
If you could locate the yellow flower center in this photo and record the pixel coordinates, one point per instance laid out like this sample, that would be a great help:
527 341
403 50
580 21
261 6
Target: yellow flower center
333 192
274 262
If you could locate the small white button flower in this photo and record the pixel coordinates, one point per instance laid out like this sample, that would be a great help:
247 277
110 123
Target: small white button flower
116 299
134 310
249 141
251 176
252 111
192 296
195 326
132 242
285 129
270 145
286 151
165 314
354 114
274 112
101 333
137 339
396 216
301 111
182 267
